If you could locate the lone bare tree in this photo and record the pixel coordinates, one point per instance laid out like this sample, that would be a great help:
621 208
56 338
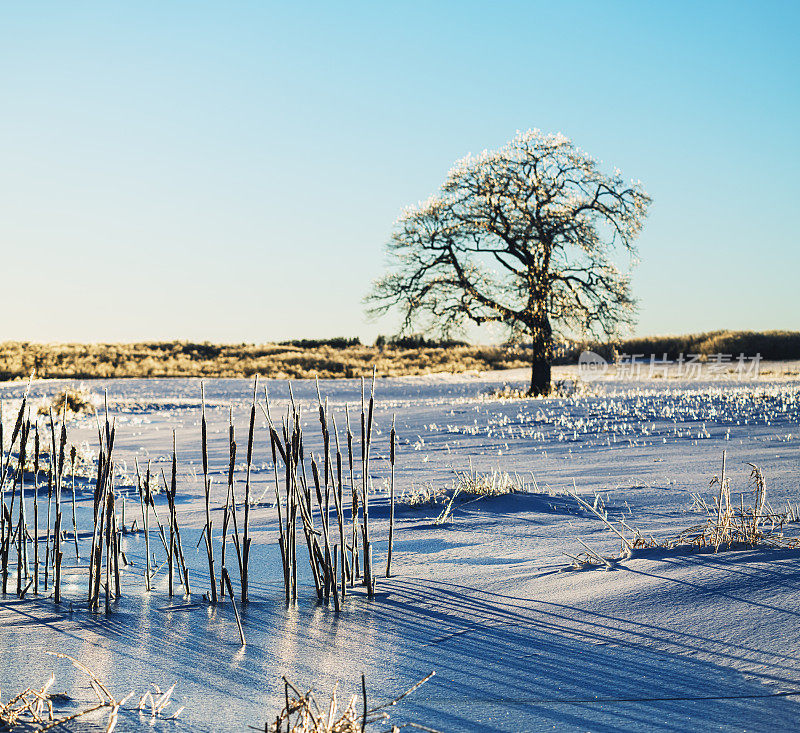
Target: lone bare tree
523 236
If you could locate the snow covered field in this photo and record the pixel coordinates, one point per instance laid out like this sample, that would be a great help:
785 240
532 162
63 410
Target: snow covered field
519 643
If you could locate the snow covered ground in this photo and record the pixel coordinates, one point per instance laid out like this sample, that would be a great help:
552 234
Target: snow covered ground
519 643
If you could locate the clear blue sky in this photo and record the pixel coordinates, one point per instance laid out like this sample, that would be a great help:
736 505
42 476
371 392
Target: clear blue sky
230 171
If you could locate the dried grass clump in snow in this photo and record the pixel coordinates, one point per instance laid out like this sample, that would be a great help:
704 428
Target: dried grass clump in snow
76 401
302 714
728 525
423 496
467 485
494 483
34 709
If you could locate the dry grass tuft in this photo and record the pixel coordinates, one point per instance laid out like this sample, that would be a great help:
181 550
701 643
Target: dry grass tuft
424 496
34 709
302 714
469 485
77 402
728 525
474 483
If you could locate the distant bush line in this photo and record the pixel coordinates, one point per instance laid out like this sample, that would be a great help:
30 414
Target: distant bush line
346 357
771 345
280 361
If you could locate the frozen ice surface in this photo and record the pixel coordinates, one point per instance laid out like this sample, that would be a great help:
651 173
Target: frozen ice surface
670 643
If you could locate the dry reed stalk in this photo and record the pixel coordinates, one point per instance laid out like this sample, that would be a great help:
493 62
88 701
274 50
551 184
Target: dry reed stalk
723 492
305 507
109 512
364 499
92 551
328 574
207 489
227 580
171 545
292 492
105 502
370 575
3 561
354 517
339 500
600 516
104 472
230 502
52 481
292 438
36 451
334 581
95 508
246 535
159 704
392 440
274 445
116 543
20 479
224 543
161 532
144 501
72 457
232 493
757 479
96 558
57 553
14 434
105 701
175 553
179 543
330 570
330 566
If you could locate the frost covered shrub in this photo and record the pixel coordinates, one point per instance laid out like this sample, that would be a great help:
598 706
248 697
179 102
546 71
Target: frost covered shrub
77 402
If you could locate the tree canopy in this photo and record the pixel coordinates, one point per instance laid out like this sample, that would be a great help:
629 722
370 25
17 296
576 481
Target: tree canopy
526 236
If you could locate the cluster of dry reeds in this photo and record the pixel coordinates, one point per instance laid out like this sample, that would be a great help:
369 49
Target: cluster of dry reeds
309 489
729 525
302 714
18 533
334 560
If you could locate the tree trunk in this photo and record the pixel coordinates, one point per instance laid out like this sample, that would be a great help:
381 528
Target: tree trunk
541 353
540 377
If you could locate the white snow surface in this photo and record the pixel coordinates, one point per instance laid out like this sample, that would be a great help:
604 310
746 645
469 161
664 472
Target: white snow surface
664 642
